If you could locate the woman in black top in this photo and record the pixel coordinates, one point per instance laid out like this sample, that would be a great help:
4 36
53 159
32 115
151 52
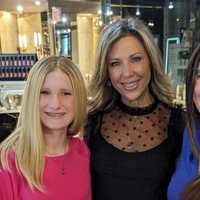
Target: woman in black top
133 131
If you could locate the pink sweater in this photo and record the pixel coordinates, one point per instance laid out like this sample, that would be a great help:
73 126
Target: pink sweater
74 184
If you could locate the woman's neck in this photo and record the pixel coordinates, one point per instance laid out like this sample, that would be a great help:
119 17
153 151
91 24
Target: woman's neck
142 101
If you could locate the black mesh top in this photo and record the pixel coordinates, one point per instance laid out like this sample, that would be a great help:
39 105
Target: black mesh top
144 172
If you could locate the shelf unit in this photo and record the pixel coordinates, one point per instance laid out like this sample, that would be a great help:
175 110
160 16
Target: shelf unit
15 67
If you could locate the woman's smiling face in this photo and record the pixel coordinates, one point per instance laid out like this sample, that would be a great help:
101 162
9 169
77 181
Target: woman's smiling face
129 71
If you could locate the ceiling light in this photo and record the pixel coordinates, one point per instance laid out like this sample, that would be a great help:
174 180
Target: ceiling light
171 6
109 13
37 2
151 24
20 8
53 22
64 19
99 12
137 12
100 23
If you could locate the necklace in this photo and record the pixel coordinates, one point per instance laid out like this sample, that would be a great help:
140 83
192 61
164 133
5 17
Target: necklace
62 170
60 160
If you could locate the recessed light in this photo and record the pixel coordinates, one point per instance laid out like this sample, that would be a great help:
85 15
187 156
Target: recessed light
99 12
137 12
100 23
37 2
151 24
64 19
171 6
53 22
20 8
109 12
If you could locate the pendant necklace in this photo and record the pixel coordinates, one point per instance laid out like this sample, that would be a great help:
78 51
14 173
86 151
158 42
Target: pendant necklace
61 163
62 169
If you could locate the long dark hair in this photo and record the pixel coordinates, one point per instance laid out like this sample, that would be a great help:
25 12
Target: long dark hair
192 111
192 190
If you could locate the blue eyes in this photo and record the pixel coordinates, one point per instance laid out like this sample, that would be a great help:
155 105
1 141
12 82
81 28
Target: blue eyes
136 59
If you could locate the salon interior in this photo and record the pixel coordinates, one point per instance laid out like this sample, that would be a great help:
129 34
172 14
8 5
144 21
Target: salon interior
32 29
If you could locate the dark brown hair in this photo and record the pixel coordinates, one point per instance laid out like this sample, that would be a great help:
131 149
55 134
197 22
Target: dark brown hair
192 111
192 190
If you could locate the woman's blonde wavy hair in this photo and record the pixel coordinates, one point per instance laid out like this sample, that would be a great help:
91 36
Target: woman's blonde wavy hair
27 140
101 94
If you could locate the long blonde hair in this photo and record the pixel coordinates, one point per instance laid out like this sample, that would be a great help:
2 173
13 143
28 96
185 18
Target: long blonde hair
101 94
27 140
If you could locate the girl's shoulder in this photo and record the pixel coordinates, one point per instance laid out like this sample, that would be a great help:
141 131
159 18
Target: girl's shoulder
78 144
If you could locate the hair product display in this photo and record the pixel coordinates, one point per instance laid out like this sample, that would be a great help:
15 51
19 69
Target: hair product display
14 67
